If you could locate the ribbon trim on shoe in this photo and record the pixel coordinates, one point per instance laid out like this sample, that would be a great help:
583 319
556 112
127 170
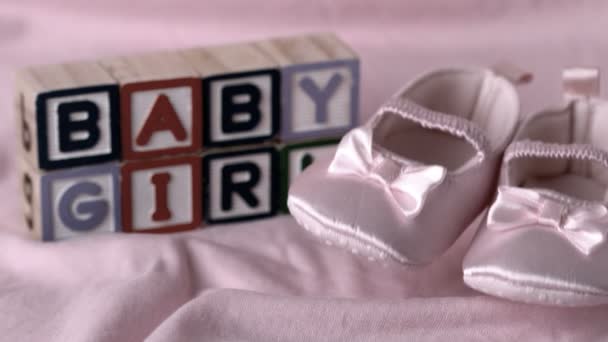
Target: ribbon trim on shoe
583 225
407 183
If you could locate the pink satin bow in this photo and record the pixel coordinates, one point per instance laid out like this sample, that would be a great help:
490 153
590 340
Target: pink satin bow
406 182
583 225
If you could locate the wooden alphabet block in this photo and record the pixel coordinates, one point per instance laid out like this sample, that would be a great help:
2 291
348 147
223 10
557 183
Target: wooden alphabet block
240 185
160 98
68 115
241 100
297 157
162 195
198 131
320 85
68 203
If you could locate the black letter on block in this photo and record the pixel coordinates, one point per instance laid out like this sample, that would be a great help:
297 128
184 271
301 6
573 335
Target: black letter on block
243 188
307 159
231 108
26 135
68 126
28 192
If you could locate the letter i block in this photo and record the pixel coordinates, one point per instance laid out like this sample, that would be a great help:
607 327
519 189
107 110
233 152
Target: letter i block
69 115
160 98
297 157
68 203
241 94
320 86
240 185
161 196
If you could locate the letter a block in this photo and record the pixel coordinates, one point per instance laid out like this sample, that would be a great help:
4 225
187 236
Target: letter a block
320 82
68 203
241 99
297 157
161 196
69 115
240 185
160 105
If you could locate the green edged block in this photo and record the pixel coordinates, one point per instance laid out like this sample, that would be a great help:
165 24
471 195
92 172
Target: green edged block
296 157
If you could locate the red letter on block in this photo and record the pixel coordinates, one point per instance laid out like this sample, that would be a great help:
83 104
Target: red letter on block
162 117
161 181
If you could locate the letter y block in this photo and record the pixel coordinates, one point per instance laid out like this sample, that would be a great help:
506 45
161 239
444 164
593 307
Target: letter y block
319 86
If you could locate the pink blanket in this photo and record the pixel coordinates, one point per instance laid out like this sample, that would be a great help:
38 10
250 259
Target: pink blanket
269 280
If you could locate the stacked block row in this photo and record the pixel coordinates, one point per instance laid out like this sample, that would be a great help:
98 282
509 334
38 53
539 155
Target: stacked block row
161 142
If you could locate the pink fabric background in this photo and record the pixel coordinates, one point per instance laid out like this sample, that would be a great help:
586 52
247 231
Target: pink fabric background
269 280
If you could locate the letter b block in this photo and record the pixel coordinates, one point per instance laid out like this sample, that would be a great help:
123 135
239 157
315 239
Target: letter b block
241 94
240 185
69 115
63 204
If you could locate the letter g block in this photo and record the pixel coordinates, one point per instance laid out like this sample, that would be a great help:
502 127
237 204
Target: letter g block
69 203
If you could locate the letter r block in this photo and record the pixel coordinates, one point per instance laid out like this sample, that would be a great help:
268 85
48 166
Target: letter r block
240 185
161 196
320 86
69 115
68 203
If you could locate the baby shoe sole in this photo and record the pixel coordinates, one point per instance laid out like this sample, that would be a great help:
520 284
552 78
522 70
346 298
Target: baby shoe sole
497 285
357 242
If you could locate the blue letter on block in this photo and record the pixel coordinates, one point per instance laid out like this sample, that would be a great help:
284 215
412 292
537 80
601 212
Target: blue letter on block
320 100
321 96
95 211
80 201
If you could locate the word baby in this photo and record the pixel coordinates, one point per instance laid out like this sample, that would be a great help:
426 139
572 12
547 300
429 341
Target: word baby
162 142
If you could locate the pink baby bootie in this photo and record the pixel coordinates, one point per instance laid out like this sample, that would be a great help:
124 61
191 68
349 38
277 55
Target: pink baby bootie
409 181
544 237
